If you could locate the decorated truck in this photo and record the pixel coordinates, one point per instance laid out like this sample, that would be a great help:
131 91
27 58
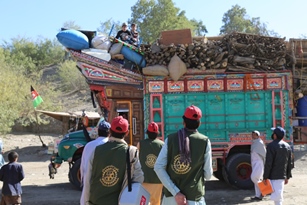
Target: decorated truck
243 93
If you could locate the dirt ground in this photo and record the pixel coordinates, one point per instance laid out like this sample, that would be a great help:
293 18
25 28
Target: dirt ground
39 189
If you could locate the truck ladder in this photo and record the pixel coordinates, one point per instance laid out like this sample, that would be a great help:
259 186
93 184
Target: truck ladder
278 121
156 112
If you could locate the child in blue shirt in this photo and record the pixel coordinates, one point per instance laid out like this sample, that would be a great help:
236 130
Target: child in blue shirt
11 174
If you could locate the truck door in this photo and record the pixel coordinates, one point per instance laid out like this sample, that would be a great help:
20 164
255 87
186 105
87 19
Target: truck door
133 112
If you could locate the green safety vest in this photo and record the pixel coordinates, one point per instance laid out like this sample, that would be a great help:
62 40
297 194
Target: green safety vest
108 172
189 178
149 151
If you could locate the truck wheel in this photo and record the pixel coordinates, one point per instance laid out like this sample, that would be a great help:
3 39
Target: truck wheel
238 171
74 174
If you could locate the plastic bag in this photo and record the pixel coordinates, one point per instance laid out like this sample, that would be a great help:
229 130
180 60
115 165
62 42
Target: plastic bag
101 42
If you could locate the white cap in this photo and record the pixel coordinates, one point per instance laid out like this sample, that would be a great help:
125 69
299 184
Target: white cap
257 132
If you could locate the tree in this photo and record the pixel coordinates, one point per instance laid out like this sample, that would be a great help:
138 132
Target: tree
109 26
71 25
200 28
10 103
303 36
237 20
15 100
71 78
153 17
30 56
21 64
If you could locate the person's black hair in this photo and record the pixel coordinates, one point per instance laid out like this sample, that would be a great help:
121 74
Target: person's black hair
12 156
191 124
103 133
152 135
279 137
117 135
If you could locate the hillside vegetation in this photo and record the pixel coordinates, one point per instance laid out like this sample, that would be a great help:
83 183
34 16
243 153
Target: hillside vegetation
43 65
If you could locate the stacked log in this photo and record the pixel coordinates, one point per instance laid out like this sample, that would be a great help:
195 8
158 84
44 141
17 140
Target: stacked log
237 52
255 52
300 79
198 55
297 49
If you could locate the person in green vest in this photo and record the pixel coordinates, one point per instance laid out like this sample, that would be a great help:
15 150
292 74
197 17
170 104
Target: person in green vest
107 166
149 150
185 162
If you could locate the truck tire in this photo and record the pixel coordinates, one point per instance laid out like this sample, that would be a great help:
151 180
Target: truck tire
238 170
74 174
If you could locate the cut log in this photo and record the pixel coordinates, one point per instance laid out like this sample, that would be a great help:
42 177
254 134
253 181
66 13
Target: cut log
224 63
236 50
219 57
243 60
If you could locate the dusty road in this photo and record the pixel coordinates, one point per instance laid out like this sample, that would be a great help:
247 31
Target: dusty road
39 189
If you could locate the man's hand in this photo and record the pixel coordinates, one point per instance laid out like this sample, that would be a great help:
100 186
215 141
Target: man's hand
286 181
180 199
265 182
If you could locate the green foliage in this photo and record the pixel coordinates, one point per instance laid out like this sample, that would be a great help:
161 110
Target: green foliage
50 102
71 78
153 17
200 28
236 19
10 103
31 56
16 101
21 64
71 25
105 27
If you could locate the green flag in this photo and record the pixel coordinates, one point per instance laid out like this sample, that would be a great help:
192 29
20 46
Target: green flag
37 99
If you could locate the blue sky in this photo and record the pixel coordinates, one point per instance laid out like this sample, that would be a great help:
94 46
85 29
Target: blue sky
43 18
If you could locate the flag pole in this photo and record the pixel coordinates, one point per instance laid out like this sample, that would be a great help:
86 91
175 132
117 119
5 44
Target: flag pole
36 101
39 135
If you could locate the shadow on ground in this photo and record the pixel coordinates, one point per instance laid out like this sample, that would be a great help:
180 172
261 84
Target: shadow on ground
228 195
51 194
30 154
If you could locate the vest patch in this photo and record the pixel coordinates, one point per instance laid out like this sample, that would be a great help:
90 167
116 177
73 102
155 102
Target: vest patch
180 168
109 176
151 160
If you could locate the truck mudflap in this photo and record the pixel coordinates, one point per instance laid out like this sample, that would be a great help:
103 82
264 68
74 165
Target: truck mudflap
52 170
55 163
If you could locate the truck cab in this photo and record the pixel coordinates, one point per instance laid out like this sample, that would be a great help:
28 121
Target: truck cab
70 147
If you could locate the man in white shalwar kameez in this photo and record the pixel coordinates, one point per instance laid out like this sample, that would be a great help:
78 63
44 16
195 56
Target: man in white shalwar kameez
258 153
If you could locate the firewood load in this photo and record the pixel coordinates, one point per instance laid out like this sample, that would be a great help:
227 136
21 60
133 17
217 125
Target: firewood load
235 52
300 79
255 52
